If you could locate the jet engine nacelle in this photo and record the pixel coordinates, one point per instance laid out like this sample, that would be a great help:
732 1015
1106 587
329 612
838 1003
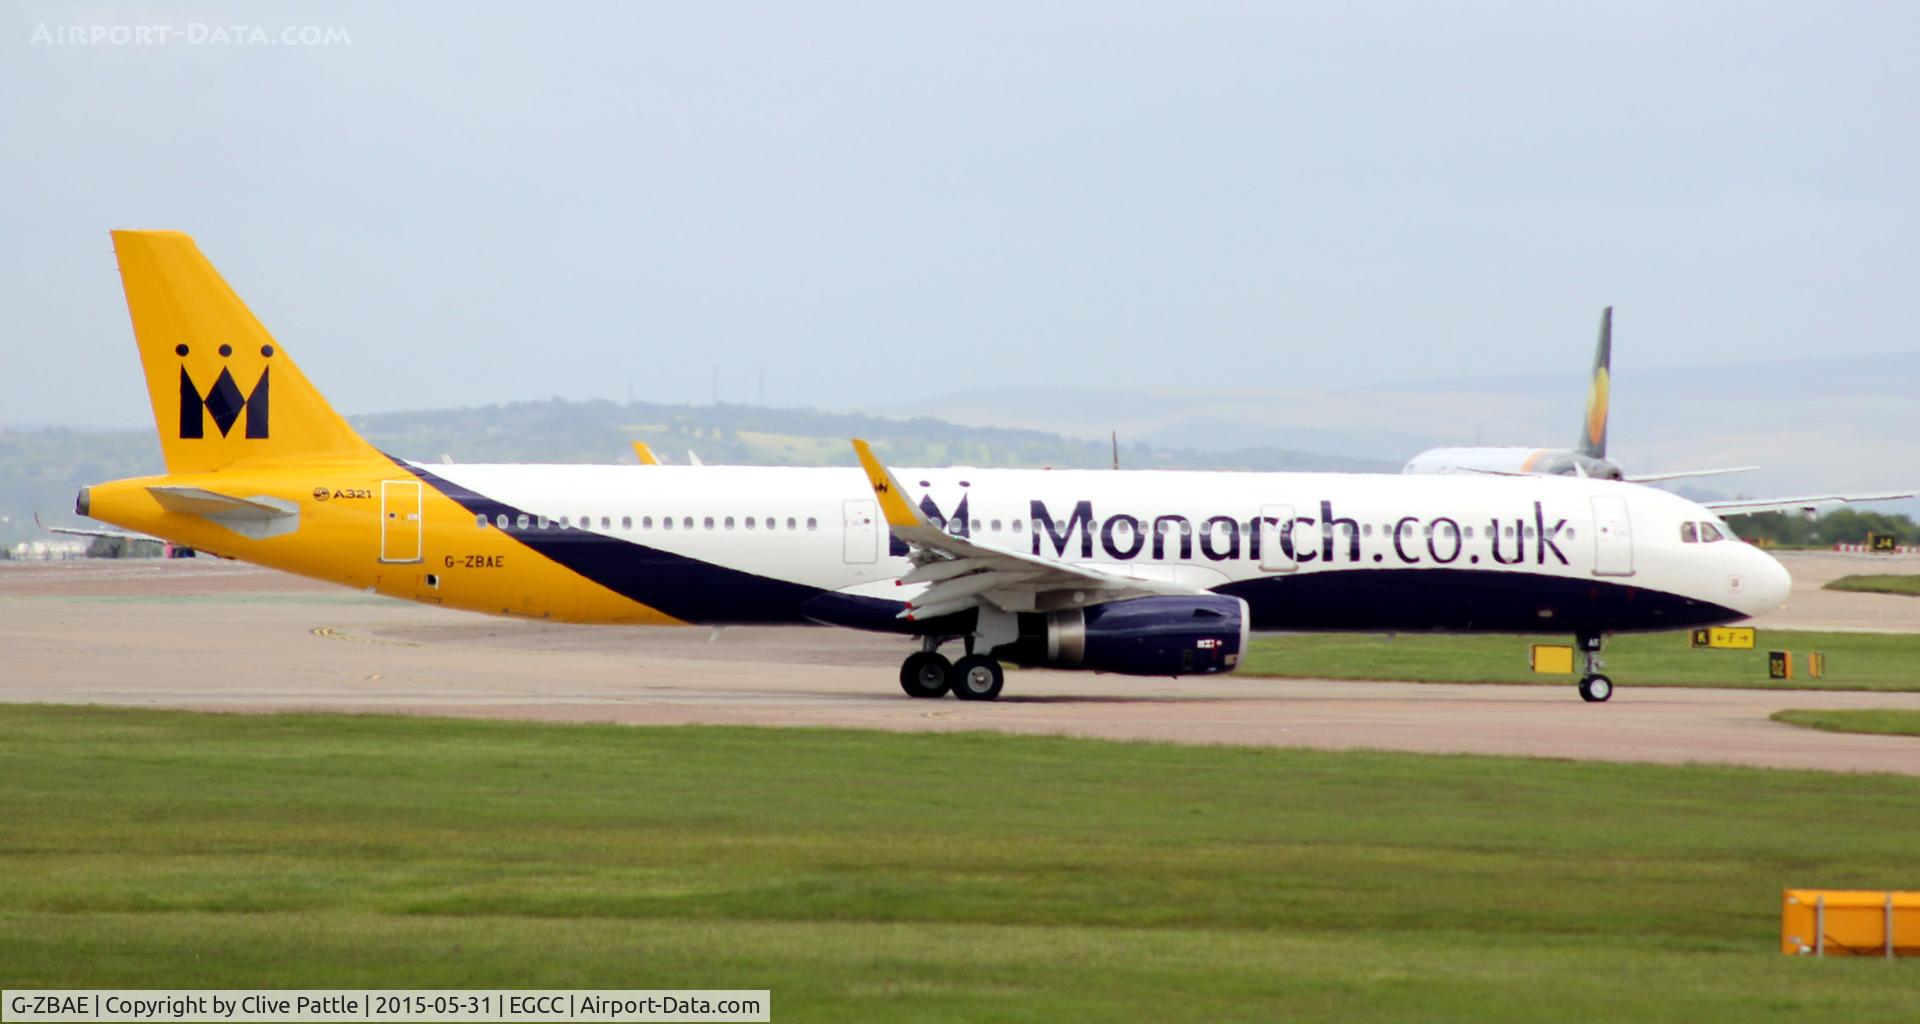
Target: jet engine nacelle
1141 636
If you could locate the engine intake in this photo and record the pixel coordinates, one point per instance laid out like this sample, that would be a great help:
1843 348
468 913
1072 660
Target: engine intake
1141 636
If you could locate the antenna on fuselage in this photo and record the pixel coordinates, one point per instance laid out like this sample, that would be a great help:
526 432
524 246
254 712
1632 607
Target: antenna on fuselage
1115 435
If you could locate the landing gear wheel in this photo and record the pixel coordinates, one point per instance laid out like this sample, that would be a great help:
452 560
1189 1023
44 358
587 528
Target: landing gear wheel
924 674
1595 689
976 677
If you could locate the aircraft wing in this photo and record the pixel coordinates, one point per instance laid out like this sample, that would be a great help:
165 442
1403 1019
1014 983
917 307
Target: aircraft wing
1682 474
1803 503
964 572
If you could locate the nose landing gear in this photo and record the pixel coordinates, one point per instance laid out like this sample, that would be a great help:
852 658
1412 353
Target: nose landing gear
1594 687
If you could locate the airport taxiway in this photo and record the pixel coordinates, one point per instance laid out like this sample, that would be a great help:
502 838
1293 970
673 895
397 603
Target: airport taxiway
211 635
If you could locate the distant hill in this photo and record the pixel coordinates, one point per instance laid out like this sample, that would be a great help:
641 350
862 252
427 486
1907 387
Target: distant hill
1813 425
40 469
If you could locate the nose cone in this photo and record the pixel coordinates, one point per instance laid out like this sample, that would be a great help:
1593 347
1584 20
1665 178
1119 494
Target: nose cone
1768 583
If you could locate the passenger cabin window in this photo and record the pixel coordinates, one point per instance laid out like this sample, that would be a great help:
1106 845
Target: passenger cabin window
749 522
1710 533
686 522
791 524
607 523
626 522
520 521
729 522
1689 533
666 522
500 520
480 520
707 522
812 523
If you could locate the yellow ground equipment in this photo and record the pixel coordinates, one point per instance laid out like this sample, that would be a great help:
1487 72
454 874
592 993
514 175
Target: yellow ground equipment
1840 922
1556 658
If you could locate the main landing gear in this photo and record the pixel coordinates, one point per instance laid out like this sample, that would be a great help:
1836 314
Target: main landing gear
928 674
1594 687
924 674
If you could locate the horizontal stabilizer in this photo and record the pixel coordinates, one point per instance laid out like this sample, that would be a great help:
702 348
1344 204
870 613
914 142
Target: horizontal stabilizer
257 517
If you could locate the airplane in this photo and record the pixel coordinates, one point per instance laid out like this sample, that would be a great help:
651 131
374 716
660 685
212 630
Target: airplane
168 549
1133 572
1589 458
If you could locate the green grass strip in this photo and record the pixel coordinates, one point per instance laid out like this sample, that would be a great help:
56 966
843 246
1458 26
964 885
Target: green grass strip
1854 661
1879 721
1883 584
927 877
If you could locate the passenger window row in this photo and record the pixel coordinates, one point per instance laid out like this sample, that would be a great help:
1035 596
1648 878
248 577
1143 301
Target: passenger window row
526 522
1689 532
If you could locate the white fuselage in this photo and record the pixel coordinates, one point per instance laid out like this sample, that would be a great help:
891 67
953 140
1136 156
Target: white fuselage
1306 550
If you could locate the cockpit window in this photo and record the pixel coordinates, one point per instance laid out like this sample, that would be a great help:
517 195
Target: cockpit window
1689 533
1709 533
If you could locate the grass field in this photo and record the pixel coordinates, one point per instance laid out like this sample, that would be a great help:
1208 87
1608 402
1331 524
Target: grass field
867 875
1855 661
1877 584
1881 721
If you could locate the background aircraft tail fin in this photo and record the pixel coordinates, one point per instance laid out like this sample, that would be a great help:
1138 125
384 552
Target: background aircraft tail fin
1593 432
222 388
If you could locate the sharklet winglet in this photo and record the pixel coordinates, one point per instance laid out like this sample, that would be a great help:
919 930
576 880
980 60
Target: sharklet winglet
899 512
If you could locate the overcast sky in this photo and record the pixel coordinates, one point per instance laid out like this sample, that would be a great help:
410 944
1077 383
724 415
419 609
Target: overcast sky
464 203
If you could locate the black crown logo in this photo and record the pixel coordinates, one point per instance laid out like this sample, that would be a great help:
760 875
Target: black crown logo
224 402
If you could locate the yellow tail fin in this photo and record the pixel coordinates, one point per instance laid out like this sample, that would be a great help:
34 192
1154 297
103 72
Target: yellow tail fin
222 388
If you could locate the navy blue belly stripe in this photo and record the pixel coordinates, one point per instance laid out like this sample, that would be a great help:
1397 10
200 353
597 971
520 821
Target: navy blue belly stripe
1371 600
686 588
1464 600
